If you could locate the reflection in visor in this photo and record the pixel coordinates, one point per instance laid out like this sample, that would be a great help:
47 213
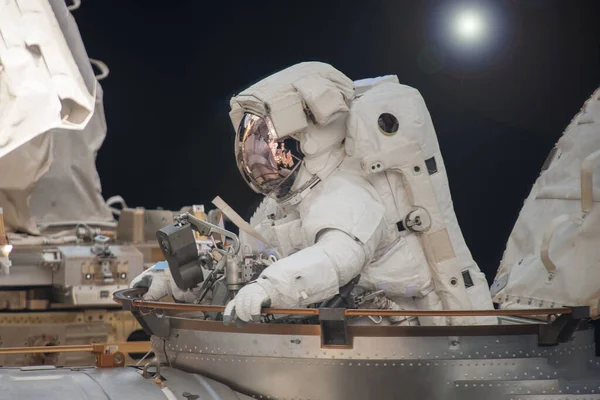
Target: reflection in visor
268 163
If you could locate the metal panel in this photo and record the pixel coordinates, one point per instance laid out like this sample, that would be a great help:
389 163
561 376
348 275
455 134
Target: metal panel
62 328
78 258
106 383
60 384
280 366
79 280
27 275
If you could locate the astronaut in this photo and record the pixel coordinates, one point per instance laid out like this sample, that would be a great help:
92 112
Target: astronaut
355 178
355 185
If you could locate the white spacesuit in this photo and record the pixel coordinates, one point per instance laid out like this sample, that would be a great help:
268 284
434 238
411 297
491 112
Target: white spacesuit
355 185
360 188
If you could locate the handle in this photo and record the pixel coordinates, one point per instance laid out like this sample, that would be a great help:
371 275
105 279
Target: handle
587 202
587 182
76 4
547 239
125 297
104 71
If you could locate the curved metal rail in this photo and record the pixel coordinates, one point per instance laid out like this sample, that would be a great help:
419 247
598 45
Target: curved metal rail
129 298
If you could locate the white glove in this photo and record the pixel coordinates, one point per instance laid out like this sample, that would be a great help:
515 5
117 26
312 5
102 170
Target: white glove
155 280
160 283
5 265
247 304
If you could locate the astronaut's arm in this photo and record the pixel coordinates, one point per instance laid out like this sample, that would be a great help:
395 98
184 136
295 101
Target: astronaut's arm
309 276
315 273
159 282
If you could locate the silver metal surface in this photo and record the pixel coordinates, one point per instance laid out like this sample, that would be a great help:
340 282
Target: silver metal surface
233 275
62 328
90 279
106 383
294 366
80 258
27 275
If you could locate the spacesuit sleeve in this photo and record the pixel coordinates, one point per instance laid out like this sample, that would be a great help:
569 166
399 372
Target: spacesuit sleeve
343 222
315 273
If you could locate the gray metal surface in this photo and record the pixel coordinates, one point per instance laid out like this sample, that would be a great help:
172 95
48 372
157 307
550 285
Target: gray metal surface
62 328
27 275
282 366
79 259
112 383
80 279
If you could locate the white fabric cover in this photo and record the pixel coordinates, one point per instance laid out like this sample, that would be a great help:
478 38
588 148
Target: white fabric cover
41 86
523 281
47 90
71 189
19 172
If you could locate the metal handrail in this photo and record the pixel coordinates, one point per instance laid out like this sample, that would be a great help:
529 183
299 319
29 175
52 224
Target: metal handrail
130 299
128 347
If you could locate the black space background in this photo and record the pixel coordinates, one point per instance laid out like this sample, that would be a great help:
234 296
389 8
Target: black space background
175 65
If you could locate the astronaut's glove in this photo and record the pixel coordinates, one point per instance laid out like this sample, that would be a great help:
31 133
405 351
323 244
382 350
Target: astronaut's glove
156 279
5 265
159 282
246 305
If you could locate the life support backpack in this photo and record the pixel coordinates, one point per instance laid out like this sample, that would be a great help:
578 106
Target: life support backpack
391 135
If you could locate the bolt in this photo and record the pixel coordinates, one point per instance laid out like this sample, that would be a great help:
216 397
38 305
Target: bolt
454 343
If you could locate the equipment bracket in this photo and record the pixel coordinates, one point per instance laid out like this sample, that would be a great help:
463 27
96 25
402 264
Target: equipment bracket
334 328
561 330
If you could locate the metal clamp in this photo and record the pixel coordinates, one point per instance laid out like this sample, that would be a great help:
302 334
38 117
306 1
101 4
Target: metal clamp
367 297
101 246
147 374
334 328
418 220
561 330
51 258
